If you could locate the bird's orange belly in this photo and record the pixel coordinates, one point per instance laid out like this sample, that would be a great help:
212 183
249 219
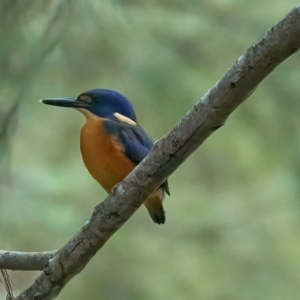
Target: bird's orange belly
103 156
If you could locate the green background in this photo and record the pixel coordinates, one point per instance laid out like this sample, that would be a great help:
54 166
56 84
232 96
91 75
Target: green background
233 218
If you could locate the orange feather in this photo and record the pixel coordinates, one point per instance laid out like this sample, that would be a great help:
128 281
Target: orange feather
105 159
103 155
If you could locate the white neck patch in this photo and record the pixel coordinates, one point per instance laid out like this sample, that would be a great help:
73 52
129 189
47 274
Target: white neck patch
124 119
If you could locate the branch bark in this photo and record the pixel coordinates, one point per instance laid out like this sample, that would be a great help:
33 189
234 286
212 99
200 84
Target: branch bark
168 153
25 261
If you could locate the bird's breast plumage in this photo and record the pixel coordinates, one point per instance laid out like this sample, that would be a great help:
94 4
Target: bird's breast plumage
103 154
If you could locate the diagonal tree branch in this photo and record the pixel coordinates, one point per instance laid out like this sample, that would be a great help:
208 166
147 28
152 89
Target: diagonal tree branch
206 116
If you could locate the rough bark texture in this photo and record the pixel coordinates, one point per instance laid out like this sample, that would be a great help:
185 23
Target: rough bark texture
206 116
24 261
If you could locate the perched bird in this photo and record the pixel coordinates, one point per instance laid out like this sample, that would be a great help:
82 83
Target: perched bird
112 143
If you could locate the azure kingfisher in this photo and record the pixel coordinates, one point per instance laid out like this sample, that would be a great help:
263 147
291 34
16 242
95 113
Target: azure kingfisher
112 143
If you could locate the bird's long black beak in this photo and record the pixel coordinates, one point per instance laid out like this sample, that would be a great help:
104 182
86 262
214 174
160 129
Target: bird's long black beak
66 102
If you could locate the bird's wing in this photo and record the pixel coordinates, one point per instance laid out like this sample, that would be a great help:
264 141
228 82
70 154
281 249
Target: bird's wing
137 144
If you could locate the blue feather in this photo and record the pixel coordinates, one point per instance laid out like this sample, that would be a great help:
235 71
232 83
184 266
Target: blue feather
137 144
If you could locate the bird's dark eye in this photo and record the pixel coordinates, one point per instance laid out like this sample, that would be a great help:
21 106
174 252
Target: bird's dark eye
85 98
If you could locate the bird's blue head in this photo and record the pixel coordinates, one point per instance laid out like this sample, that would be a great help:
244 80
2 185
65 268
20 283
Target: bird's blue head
101 102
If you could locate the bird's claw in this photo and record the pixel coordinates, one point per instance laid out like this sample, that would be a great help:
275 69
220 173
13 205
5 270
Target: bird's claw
114 189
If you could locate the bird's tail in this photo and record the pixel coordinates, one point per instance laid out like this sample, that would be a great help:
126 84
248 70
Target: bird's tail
155 207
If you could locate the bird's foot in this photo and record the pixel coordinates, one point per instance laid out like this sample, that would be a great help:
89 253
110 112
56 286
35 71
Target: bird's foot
114 188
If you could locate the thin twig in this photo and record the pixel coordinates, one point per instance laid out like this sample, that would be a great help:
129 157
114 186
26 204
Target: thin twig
8 284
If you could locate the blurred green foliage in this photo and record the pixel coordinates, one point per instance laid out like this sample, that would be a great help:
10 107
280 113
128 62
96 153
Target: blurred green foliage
233 219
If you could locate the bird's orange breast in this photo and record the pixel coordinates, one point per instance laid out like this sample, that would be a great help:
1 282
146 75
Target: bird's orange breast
103 154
